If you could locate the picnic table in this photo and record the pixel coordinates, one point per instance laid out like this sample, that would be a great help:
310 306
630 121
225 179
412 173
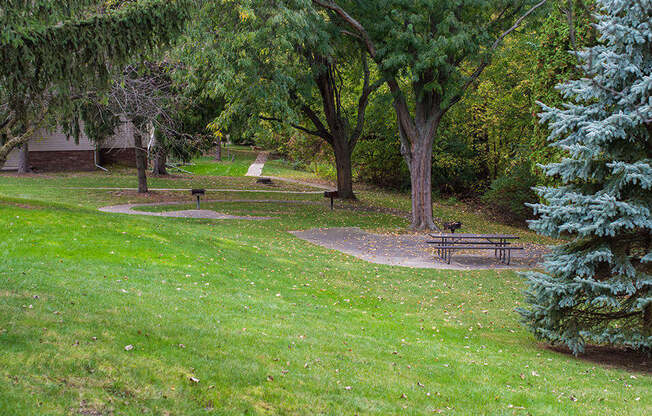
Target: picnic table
446 243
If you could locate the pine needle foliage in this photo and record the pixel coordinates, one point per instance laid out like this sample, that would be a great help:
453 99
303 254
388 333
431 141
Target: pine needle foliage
597 288
51 52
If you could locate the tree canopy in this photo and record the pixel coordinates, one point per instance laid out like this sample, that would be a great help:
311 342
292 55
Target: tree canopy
52 51
429 52
285 65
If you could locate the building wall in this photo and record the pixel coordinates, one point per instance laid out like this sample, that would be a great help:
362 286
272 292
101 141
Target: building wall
12 160
122 139
62 160
122 157
55 151
45 141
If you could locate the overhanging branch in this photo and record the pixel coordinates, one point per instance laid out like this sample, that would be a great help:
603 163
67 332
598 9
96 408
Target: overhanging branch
331 5
296 126
485 62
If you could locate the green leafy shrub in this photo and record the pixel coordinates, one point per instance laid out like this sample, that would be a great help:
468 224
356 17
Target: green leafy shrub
324 170
508 194
378 160
457 168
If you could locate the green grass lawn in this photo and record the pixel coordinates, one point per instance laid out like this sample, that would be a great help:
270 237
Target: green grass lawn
284 169
474 221
235 162
240 317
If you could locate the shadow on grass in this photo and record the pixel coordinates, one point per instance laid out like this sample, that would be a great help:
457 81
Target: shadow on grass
621 358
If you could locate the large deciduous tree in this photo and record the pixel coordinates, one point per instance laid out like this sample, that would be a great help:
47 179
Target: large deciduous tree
597 287
52 51
286 63
430 52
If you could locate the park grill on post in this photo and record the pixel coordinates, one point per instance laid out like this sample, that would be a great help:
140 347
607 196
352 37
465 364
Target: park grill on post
198 193
332 195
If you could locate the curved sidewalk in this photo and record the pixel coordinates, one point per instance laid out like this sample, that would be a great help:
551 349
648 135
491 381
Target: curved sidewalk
190 213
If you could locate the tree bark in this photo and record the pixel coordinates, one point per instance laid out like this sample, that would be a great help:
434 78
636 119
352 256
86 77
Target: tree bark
218 150
160 162
16 141
647 319
421 181
343 167
23 161
141 161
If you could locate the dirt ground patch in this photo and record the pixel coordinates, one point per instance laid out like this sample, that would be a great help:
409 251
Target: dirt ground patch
623 358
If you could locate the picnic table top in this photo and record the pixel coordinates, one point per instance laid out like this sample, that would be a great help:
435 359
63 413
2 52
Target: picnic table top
475 236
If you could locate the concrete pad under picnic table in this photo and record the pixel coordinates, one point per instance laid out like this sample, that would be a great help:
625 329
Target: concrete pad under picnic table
411 250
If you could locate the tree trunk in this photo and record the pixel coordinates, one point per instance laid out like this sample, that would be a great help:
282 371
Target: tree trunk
218 150
15 142
421 181
23 160
141 161
160 162
343 166
647 319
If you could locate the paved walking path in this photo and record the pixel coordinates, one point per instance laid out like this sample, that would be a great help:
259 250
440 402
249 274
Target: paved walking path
262 191
256 168
409 250
190 213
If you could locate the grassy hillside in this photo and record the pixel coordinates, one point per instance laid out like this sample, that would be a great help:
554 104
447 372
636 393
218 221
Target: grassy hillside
240 317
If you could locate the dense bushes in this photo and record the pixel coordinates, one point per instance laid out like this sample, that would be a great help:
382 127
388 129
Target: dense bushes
378 160
456 167
508 194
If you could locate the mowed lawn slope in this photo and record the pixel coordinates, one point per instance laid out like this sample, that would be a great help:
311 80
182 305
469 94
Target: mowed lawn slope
240 317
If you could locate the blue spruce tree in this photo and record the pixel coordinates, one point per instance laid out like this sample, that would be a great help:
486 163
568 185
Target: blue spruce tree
597 287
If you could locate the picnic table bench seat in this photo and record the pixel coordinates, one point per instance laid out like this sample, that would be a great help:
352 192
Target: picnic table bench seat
446 244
